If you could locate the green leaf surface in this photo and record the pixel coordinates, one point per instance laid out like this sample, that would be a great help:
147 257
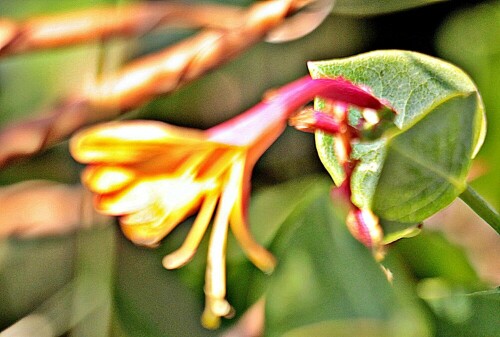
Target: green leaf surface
371 158
420 166
22 260
153 301
317 290
461 314
426 167
431 255
375 7
325 145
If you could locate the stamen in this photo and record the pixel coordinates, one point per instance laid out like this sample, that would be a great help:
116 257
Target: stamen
310 120
340 111
185 253
341 148
215 280
259 256
371 116
210 318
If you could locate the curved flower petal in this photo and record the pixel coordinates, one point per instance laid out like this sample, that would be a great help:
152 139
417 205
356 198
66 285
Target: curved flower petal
157 224
171 201
259 256
129 200
134 141
103 179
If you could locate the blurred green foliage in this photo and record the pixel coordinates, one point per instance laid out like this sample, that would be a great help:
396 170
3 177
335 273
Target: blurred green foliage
471 39
96 283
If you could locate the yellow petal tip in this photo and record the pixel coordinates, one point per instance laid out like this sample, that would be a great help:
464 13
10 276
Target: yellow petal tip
177 259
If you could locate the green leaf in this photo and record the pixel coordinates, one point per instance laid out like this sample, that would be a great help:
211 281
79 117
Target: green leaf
484 319
371 157
426 167
153 301
460 314
328 284
325 145
25 279
431 255
394 231
374 7
420 167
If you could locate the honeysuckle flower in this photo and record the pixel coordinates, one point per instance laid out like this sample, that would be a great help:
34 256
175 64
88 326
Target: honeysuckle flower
153 176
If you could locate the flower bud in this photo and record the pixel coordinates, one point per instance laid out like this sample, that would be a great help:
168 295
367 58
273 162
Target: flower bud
364 226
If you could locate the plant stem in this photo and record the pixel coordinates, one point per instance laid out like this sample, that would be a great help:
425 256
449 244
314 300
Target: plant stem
481 207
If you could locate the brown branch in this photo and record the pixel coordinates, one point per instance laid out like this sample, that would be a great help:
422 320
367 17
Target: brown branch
106 22
42 208
142 80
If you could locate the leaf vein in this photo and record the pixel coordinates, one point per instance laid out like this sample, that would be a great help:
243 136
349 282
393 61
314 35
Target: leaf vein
418 160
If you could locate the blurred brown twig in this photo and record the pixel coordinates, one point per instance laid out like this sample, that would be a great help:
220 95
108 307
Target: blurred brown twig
106 22
40 208
140 80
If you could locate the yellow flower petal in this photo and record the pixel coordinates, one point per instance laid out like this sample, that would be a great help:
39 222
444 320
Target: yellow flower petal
129 200
133 141
107 179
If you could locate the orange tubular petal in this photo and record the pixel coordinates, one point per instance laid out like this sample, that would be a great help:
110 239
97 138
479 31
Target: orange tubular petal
107 179
259 256
148 226
219 162
133 141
